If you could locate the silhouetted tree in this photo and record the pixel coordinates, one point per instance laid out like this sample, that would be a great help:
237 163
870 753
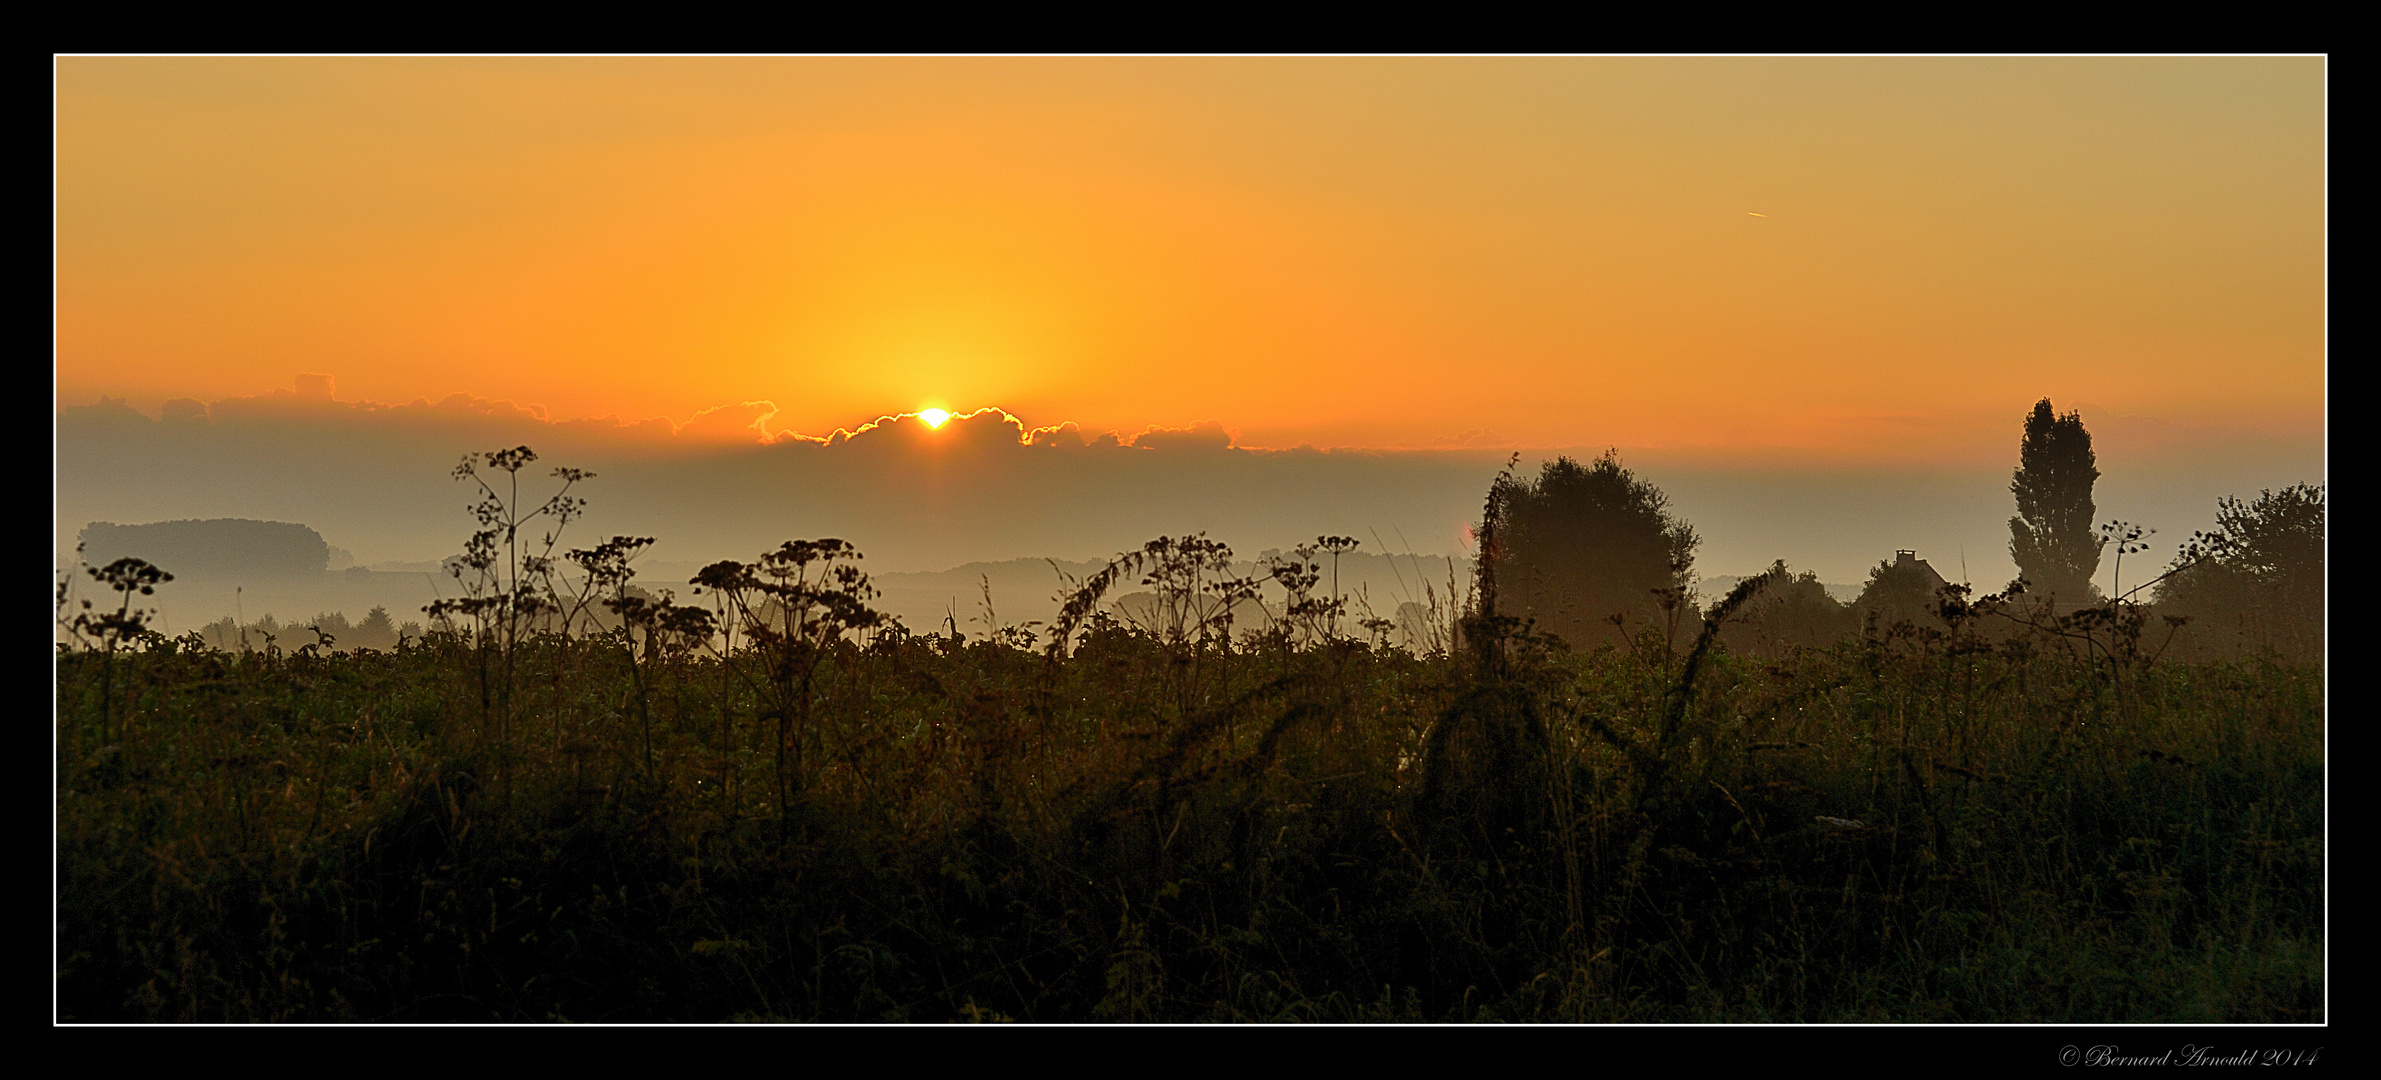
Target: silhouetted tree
1582 546
1900 591
377 631
2051 538
1792 611
2257 580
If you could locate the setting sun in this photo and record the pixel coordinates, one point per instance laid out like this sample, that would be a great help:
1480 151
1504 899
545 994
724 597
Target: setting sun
935 418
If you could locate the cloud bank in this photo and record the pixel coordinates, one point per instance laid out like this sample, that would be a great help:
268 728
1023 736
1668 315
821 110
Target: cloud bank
376 479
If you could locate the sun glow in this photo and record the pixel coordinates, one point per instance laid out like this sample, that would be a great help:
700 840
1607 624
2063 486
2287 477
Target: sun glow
935 418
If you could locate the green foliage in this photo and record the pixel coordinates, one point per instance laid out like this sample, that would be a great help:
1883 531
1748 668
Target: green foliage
2051 538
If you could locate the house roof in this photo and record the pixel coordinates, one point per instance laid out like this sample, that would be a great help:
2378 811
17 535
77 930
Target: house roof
1907 559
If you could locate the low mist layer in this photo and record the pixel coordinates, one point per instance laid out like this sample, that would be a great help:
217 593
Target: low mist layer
374 481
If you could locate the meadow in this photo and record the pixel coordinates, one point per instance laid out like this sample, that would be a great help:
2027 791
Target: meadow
767 804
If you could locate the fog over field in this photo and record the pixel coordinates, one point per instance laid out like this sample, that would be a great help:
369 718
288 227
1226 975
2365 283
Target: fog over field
926 505
1657 540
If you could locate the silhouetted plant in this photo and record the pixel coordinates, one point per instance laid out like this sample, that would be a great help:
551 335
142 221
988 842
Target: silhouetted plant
794 604
1305 617
507 580
1191 607
604 579
2128 539
604 576
1336 546
109 631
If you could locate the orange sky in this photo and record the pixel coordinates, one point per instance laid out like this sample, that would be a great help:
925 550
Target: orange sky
1349 252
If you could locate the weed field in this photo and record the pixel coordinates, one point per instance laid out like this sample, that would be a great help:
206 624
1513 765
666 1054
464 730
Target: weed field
2017 819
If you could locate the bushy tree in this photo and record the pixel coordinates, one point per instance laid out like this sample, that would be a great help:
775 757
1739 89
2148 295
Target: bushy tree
1581 545
2256 581
1791 611
1899 592
2052 538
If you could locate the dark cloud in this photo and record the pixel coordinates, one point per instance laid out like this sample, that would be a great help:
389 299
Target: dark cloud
1204 435
374 479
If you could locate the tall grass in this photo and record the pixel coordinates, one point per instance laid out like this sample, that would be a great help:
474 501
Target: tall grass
1902 827
1228 817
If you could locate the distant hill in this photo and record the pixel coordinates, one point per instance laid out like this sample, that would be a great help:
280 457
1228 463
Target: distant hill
217 547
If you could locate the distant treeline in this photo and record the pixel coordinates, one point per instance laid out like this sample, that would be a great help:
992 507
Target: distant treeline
1591 554
219 547
329 631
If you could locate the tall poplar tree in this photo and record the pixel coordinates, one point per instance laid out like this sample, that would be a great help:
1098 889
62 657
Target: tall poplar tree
2051 538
